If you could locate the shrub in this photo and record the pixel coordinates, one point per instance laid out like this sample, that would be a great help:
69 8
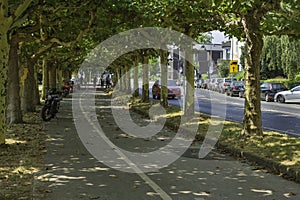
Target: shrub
240 75
297 77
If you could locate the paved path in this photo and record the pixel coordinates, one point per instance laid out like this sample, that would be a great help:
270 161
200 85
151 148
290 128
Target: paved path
72 173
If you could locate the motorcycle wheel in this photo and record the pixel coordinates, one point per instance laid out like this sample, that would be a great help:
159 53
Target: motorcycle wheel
46 113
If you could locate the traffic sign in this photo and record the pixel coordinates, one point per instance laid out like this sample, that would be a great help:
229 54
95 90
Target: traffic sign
234 67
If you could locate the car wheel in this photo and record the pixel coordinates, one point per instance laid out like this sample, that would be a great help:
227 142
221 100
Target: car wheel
267 98
280 99
231 94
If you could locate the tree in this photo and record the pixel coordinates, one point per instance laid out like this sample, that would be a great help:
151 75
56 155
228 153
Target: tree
252 20
223 68
8 19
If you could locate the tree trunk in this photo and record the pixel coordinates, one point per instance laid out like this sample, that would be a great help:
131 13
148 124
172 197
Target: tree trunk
252 112
45 79
127 78
14 114
52 75
36 87
122 79
59 81
145 91
189 87
136 77
164 79
4 55
29 85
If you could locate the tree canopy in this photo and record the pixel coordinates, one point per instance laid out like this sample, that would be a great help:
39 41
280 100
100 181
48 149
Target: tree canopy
67 30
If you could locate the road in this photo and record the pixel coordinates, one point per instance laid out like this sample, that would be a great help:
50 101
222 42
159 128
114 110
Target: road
283 118
275 116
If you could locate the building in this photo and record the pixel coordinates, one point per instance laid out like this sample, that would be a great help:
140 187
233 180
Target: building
206 57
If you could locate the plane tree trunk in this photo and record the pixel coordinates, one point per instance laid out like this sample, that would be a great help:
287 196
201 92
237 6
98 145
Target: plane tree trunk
28 100
145 62
14 114
135 77
164 79
4 55
252 122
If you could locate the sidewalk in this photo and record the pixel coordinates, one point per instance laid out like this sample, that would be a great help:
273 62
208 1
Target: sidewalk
72 173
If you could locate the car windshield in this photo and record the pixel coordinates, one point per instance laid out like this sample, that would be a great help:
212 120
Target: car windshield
229 80
296 88
171 83
238 83
278 86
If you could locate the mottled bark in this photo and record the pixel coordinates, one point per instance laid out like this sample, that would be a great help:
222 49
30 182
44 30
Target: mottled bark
59 77
28 89
190 89
122 78
164 79
252 123
5 23
136 77
14 114
4 55
145 87
35 88
45 79
127 78
52 75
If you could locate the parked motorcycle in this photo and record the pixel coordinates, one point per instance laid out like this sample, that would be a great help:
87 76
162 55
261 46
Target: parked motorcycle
51 106
67 88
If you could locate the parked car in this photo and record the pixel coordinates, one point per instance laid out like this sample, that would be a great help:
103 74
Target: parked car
242 92
205 83
198 83
292 95
212 84
234 88
269 89
173 90
224 83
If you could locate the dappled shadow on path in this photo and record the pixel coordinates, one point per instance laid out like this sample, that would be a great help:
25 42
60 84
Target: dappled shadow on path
72 173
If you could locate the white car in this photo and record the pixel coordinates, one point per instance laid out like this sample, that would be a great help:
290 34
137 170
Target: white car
292 95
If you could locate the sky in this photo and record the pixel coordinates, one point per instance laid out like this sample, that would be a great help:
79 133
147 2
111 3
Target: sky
218 37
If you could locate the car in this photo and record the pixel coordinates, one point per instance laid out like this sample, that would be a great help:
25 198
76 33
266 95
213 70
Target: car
198 83
269 89
235 87
173 90
224 83
242 92
204 84
211 84
292 95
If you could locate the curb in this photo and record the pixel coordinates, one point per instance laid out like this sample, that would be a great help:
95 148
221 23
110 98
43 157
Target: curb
273 167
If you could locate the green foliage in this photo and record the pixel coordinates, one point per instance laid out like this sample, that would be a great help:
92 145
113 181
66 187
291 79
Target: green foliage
240 75
280 57
297 77
223 68
204 76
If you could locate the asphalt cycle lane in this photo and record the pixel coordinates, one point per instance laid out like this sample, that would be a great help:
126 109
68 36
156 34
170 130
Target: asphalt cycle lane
71 172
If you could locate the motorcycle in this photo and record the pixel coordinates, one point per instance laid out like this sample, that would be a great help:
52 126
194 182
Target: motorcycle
67 88
51 106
